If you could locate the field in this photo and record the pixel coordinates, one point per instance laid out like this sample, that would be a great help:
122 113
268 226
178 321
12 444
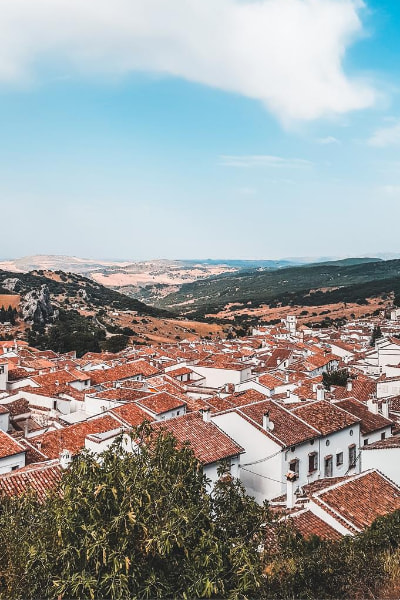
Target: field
12 300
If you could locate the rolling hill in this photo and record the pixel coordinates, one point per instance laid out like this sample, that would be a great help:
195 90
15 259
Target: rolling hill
308 285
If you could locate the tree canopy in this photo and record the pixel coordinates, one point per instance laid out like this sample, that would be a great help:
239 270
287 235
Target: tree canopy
144 525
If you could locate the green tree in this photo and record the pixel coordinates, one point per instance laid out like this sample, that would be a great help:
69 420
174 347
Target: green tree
115 343
376 334
133 525
338 378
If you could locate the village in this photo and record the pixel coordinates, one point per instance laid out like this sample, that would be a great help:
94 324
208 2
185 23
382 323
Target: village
307 419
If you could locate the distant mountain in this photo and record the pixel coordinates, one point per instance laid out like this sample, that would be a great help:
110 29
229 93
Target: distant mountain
67 289
258 287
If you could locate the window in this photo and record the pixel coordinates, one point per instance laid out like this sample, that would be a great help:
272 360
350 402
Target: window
294 466
339 459
178 412
327 443
383 436
352 455
366 442
328 466
15 467
312 462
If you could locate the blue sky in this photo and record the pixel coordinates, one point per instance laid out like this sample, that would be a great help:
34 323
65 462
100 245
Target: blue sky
236 130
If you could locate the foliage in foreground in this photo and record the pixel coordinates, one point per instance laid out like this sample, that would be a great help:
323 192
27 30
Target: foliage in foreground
142 525
139 525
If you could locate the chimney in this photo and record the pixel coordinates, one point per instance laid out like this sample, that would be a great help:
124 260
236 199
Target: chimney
349 384
385 409
286 377
65 459
39 445
291 479
372 405
26 428
266 421
206 415
57 382
320 392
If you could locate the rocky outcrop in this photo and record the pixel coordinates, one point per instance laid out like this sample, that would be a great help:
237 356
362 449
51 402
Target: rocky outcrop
12 284
37 308
82 293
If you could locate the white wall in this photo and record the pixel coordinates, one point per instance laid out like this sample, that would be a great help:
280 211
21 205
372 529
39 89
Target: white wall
4 421
376 436
218 377
3 376
262 480
388 388
387 461
8 462
95 406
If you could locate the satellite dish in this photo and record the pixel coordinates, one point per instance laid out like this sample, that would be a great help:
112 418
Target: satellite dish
271 426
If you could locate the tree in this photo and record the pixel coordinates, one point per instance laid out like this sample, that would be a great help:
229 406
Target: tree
133 525
115 343
376 334
338 377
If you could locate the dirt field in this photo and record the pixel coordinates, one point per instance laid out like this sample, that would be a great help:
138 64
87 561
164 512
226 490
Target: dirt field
7 300
312 313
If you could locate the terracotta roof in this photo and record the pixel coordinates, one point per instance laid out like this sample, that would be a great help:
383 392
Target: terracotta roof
390 442
287 430
122 394
325 417
362 389
270 381
369 421
131 414
208 442
361 499
308 525
61 376
40 478
161 403
8 446
72 438
132 369
180 371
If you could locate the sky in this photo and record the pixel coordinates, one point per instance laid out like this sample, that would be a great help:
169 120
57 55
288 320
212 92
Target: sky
248 129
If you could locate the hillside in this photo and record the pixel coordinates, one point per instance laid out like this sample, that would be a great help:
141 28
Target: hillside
308 285
51 307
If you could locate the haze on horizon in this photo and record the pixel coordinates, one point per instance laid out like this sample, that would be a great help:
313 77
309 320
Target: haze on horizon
237 129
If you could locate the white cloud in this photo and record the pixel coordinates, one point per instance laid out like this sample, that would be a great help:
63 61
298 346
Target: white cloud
328 140
391 190
386 136
263 160
285 53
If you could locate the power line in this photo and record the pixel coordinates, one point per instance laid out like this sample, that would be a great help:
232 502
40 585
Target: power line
263 476
260 460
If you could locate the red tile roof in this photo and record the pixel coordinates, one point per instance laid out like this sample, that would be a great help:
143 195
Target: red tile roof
361 499
131 414
287 430
161 403
325 417
369 421
208 442
8 446
40 478
72 438
133 369
308 525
